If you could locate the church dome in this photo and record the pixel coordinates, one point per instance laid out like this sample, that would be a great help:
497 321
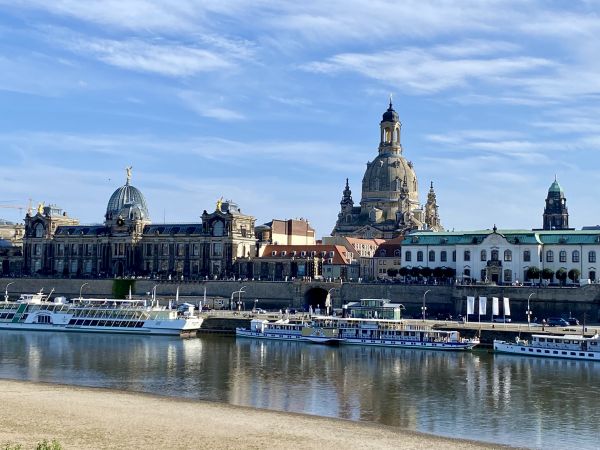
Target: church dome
390 115
387 173
127 202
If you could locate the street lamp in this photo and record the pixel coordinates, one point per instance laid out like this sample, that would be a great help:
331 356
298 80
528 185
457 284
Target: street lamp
529 311
239 293
81 289
6 291
328 301
240 297
424 308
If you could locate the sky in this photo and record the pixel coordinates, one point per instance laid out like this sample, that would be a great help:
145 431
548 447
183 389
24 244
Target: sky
274 104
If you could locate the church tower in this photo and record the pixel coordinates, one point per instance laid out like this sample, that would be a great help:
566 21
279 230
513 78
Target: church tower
556 215
389 204
432 218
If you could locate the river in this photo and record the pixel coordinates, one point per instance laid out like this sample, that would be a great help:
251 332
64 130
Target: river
513 400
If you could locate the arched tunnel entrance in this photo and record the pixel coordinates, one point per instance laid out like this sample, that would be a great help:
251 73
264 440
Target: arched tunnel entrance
315 298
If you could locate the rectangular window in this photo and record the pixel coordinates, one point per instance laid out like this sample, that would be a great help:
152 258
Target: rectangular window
408 256
562 256
526 256
217 249
165 249
443 256
148 249
467 255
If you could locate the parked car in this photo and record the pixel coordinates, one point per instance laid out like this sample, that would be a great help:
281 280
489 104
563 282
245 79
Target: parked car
502 319
557 322
573 321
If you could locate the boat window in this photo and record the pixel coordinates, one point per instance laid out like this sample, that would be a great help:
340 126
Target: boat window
555 352
591 355
542 339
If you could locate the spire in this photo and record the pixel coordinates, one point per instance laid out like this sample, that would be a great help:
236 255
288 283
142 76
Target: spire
347 195
391 101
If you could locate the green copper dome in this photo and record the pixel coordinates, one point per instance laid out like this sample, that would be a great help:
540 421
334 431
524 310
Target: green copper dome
555 187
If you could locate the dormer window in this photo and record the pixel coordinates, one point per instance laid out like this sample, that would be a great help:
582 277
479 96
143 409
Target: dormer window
283 253
273 253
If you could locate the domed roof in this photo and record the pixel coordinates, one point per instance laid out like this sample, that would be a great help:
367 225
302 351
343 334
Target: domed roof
555 187
388 172
124 200
390 115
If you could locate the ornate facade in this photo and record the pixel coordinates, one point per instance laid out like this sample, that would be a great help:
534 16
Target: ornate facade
389 205
127 243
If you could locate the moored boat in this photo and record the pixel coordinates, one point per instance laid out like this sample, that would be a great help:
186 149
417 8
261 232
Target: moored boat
35 312
394 333
553 346
281 329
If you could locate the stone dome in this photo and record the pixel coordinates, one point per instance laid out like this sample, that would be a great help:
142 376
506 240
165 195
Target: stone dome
386 173
127 202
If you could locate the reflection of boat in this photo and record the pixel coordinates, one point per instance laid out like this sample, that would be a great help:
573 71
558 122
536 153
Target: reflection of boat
553 346
394 333
36 312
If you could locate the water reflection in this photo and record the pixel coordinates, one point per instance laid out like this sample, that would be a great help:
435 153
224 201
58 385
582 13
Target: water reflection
514 400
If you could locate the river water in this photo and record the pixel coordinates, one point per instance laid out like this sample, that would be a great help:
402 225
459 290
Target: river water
514 400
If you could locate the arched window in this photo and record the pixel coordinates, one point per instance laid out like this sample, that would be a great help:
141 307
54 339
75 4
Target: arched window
431 256
443 256
39 230
507 255
562 256
526 256
592 256
218 228
419 256
397 252
549 256
575 256
467 255
407 256
483 255
495 255
508 276
453 255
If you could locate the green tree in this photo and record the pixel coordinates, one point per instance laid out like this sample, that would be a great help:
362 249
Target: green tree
533 273
449 272
561 275
438 272
392 272
404 271
574 275
547 274
426 272
415 272
120 288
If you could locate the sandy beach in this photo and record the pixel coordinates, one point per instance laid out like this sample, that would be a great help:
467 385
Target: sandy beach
81 418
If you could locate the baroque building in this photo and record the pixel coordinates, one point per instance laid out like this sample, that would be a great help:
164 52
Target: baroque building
127 243
389 205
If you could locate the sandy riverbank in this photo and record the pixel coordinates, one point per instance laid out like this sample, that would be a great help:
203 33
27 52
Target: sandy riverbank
101 419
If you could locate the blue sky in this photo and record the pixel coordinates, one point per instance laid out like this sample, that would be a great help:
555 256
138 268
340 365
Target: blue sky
274 104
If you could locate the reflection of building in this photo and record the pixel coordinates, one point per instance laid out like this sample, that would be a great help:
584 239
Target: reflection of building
128 244
390 198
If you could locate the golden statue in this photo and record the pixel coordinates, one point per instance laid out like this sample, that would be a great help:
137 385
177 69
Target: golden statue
128 170
219 203
41 208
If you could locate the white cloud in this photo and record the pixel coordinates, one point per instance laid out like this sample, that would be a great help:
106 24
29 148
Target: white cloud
163 58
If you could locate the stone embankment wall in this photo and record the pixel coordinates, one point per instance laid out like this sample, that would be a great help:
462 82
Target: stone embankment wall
544 302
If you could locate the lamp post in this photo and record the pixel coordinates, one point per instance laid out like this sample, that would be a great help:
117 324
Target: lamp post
529 311
240 297
424 308
328 301
6 291
81 289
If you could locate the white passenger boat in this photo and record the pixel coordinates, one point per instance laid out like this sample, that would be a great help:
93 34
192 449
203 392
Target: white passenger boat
379 332
553 346
36 312
394 333
281 329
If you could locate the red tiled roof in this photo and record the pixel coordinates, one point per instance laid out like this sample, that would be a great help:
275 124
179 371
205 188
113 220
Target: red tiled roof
340 254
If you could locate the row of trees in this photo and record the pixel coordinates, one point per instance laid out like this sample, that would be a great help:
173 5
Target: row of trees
415 272
533 273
